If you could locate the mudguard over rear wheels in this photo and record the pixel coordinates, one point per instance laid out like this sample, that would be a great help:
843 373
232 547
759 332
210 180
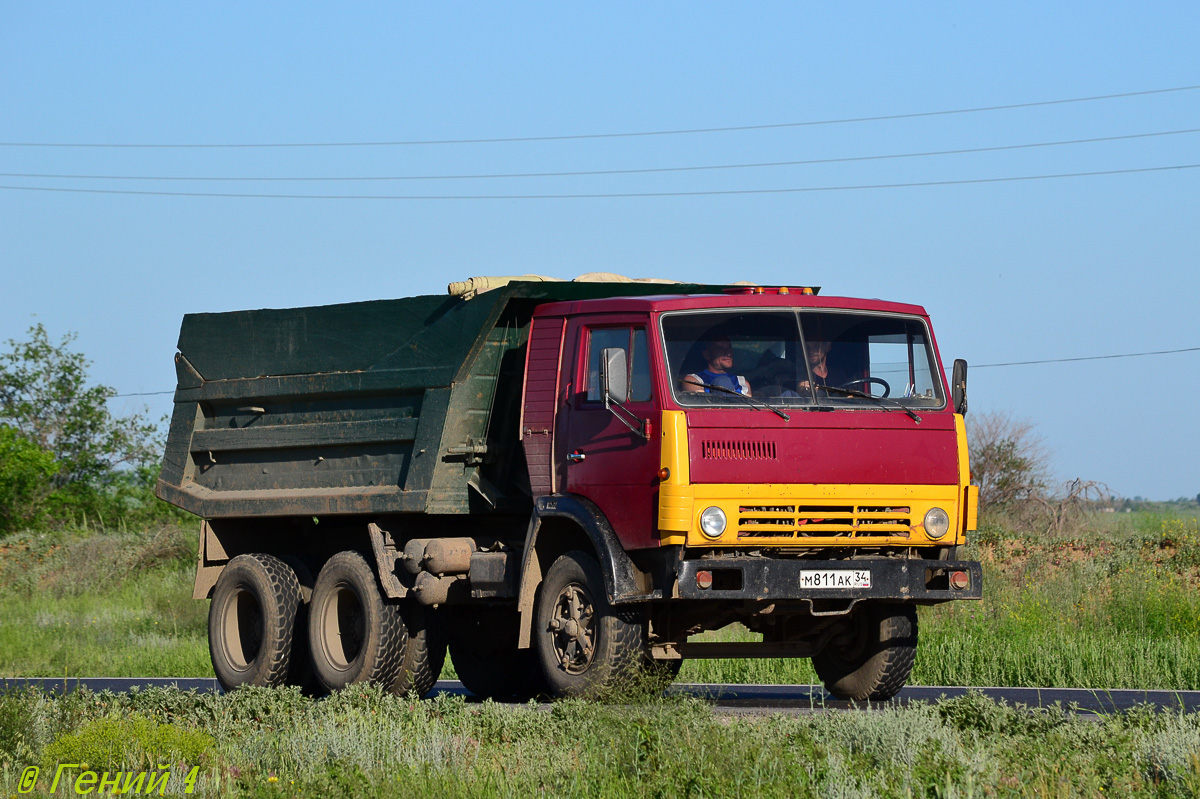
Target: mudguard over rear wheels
354 635
874 656
251 621
584 645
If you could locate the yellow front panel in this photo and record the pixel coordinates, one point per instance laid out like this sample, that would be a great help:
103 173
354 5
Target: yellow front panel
822 515
674 493
972 522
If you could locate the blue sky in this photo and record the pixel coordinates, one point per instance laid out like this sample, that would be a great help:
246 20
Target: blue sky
1010 271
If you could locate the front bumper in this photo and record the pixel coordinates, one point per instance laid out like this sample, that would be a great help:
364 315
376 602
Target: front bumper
923 581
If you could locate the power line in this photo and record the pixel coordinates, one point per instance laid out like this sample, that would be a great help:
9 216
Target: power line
595 172
1087 358
974 366
619 135
594 196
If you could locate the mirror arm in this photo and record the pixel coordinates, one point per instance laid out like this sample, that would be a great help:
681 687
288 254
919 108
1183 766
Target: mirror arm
613 406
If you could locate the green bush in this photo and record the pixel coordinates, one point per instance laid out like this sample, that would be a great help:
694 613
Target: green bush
113 744
26 472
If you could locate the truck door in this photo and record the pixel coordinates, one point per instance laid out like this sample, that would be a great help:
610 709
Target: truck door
613 466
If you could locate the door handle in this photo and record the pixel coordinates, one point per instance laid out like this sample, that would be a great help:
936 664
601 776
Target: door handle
576 456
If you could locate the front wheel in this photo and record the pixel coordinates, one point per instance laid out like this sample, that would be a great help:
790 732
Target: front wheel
873 657
585 645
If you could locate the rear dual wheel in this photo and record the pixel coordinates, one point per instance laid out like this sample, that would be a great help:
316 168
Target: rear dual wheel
252 620
272 624
354 635
425 653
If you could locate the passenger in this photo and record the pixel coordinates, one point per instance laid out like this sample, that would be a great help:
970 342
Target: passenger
719 355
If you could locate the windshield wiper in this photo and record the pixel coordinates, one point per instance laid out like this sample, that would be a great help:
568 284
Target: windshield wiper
884 401
754 403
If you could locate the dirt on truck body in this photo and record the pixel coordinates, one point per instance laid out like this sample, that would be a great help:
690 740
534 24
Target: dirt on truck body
561 483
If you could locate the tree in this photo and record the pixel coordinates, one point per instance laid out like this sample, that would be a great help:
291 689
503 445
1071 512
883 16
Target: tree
26 471
44 396
1008 460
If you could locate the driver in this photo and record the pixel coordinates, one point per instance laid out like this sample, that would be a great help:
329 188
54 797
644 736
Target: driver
719 355
816 352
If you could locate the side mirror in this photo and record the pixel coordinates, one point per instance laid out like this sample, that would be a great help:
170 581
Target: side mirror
958 386
614 375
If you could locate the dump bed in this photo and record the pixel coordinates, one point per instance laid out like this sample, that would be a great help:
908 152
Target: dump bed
389 406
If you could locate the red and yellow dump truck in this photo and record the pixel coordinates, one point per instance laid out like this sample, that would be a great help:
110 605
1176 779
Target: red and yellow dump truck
562 483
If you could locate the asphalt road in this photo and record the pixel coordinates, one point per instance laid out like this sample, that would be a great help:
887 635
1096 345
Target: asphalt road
742 699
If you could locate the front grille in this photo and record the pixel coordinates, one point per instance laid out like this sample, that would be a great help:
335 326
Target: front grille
822 521
737 450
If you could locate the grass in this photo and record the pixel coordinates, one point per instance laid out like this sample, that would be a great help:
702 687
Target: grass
1114 605
82 603
362 742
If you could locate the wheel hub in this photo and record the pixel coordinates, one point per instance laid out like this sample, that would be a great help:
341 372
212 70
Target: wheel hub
573 629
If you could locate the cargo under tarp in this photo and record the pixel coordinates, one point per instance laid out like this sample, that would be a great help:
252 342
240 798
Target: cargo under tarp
387 406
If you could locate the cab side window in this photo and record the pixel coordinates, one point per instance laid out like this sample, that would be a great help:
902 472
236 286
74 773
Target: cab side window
631 339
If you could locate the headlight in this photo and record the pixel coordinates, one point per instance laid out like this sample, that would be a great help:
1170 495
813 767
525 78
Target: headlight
712 522
937 523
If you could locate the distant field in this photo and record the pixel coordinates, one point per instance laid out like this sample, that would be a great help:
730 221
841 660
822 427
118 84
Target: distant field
1117 606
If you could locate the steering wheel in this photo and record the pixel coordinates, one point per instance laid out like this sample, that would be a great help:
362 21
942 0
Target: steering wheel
866 381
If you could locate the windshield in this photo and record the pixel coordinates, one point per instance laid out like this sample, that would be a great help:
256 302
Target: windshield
796 358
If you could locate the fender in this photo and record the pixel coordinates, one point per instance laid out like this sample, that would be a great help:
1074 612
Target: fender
624 582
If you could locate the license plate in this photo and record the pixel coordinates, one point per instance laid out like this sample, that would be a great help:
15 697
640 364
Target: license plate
839 578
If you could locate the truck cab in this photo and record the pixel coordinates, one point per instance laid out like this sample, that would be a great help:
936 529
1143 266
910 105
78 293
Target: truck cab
789 461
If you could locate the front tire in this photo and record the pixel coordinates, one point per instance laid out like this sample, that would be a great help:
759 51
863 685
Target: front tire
354 635
874 657
251 621
585 646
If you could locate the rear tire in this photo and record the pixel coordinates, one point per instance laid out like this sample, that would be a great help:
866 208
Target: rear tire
300 672
874 657
354 635
585 646
251 621
425 653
